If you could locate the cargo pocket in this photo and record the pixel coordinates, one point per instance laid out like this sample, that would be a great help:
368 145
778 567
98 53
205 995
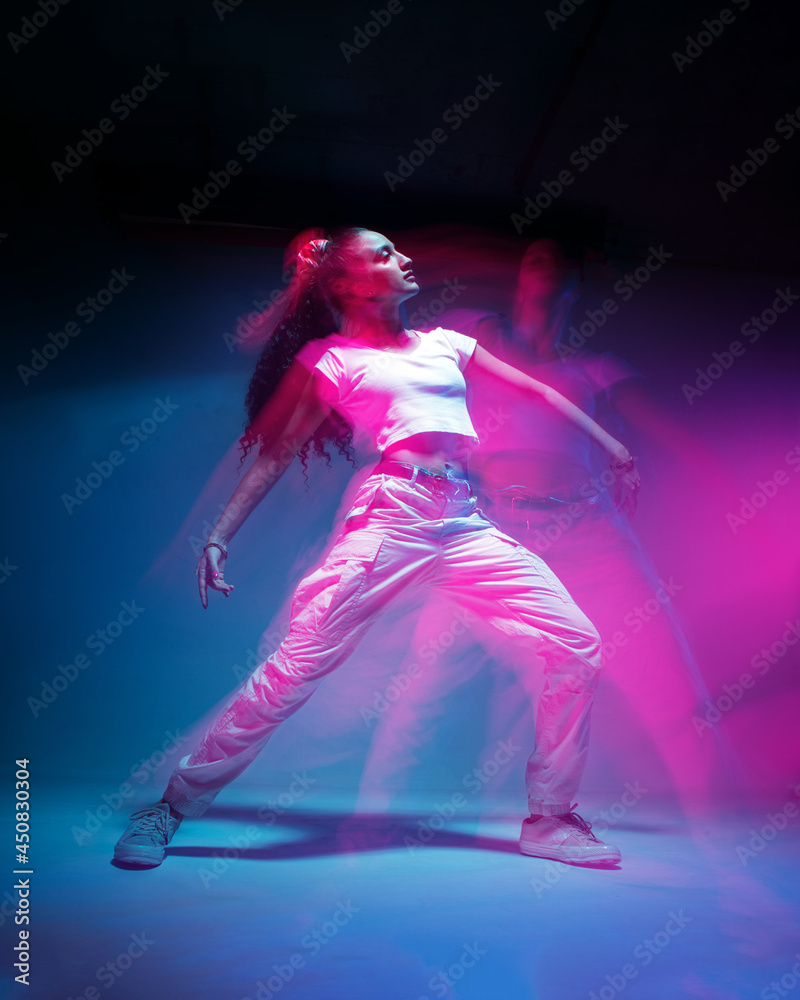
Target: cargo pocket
327 601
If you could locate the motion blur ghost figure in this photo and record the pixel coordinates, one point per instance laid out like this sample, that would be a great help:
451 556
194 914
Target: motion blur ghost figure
544 483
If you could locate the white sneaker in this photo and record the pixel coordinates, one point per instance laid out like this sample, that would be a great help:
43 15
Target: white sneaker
566 837
146 839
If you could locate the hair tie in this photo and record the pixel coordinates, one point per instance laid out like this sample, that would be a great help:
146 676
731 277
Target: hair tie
311 254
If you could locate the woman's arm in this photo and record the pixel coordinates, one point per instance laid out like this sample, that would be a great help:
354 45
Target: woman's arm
286 422
484 364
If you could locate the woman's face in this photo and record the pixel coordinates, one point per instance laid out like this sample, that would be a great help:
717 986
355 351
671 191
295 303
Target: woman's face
546 273
382 273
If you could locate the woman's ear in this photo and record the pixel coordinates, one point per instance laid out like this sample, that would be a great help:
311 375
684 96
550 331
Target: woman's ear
341 287
351 288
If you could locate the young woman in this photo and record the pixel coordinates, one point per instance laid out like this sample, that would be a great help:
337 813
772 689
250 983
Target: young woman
414 520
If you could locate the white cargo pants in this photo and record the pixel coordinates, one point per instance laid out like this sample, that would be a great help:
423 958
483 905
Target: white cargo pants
400 534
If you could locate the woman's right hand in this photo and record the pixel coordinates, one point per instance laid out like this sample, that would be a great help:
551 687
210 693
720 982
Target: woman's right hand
210 573
626 486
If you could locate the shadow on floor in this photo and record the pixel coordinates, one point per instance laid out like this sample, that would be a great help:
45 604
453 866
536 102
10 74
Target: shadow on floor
328 833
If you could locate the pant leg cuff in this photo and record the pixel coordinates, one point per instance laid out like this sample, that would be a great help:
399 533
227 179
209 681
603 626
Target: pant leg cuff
548 809
187 807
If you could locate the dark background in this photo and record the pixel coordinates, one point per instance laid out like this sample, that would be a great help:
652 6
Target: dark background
357 113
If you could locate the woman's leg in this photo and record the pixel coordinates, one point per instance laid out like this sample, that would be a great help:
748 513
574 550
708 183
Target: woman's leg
332 608
389 542
518 596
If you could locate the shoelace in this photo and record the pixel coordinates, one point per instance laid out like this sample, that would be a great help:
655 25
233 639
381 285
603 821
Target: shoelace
583 825
152 821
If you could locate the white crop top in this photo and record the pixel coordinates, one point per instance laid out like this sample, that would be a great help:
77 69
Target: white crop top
388 395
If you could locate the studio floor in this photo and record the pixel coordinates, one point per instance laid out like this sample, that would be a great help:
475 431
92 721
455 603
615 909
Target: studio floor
314 905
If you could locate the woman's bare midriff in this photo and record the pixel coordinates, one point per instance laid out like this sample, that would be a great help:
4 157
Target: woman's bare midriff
433 450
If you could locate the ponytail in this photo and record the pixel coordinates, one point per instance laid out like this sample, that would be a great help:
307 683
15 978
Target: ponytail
309 312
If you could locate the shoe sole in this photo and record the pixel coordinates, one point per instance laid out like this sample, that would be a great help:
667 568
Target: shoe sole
133 857
609 854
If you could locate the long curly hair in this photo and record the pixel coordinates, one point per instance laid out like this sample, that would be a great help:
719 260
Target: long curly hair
311 311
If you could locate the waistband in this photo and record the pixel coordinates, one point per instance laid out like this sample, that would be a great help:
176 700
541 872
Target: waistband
404 470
